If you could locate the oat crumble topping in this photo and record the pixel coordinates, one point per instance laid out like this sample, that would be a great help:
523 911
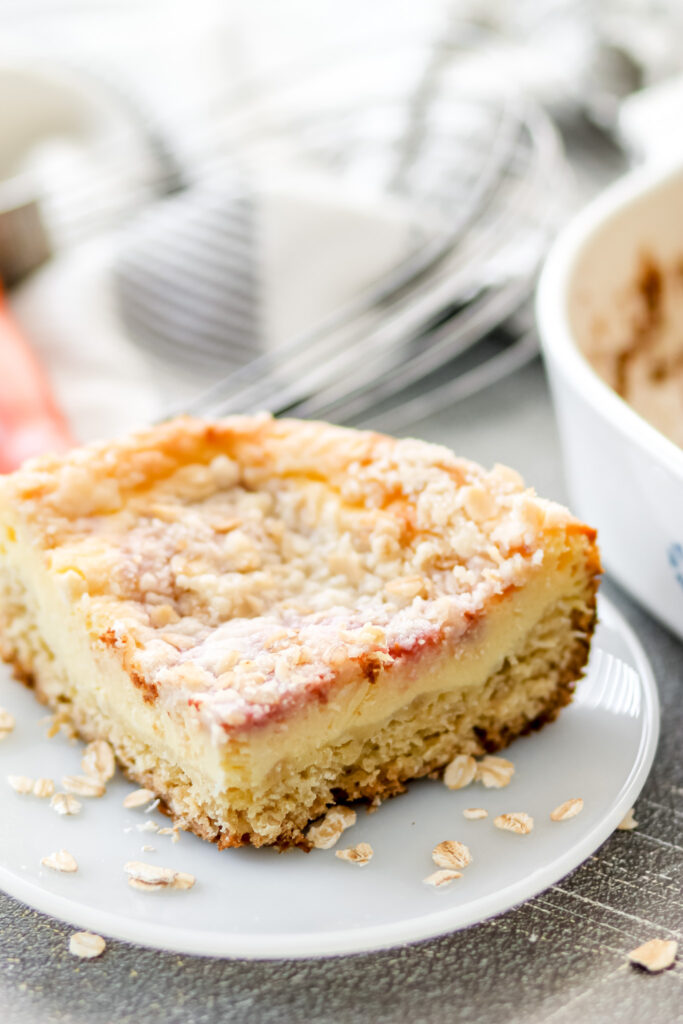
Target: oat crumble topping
250 565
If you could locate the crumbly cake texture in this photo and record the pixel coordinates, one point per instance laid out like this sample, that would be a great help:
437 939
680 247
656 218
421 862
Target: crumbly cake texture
266 617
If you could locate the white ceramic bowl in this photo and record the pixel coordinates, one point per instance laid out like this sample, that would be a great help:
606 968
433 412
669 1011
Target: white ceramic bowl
70 142
624 476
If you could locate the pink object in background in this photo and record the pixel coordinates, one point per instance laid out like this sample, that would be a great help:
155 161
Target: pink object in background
30 422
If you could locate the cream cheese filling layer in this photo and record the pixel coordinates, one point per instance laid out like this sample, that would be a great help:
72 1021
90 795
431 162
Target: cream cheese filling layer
360 709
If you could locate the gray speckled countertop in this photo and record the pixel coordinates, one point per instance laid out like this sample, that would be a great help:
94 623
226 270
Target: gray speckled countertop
558 958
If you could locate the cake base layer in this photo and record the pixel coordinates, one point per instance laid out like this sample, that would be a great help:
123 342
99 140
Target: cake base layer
529 686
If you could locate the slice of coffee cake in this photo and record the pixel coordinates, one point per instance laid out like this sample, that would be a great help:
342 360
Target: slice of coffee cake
265 617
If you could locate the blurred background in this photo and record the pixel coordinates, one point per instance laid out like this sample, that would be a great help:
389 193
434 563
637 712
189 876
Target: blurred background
328 209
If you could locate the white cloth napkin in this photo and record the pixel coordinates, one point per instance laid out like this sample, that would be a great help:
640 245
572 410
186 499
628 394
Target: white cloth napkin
317 247
323 243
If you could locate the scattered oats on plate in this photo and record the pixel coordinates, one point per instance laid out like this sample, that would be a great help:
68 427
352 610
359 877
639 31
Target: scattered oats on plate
441 878
451 854
43 788
83 785
65 803
21 783
495 772
569 809
460 772
138 798
326 833
98 760
61 860
361 854
149 877
515 821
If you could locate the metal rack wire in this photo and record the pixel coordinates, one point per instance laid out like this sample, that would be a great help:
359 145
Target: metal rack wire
483 172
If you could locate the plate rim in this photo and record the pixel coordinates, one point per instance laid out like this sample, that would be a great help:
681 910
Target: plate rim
350 941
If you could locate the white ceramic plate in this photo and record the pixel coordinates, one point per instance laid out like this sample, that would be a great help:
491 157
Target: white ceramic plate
258 903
